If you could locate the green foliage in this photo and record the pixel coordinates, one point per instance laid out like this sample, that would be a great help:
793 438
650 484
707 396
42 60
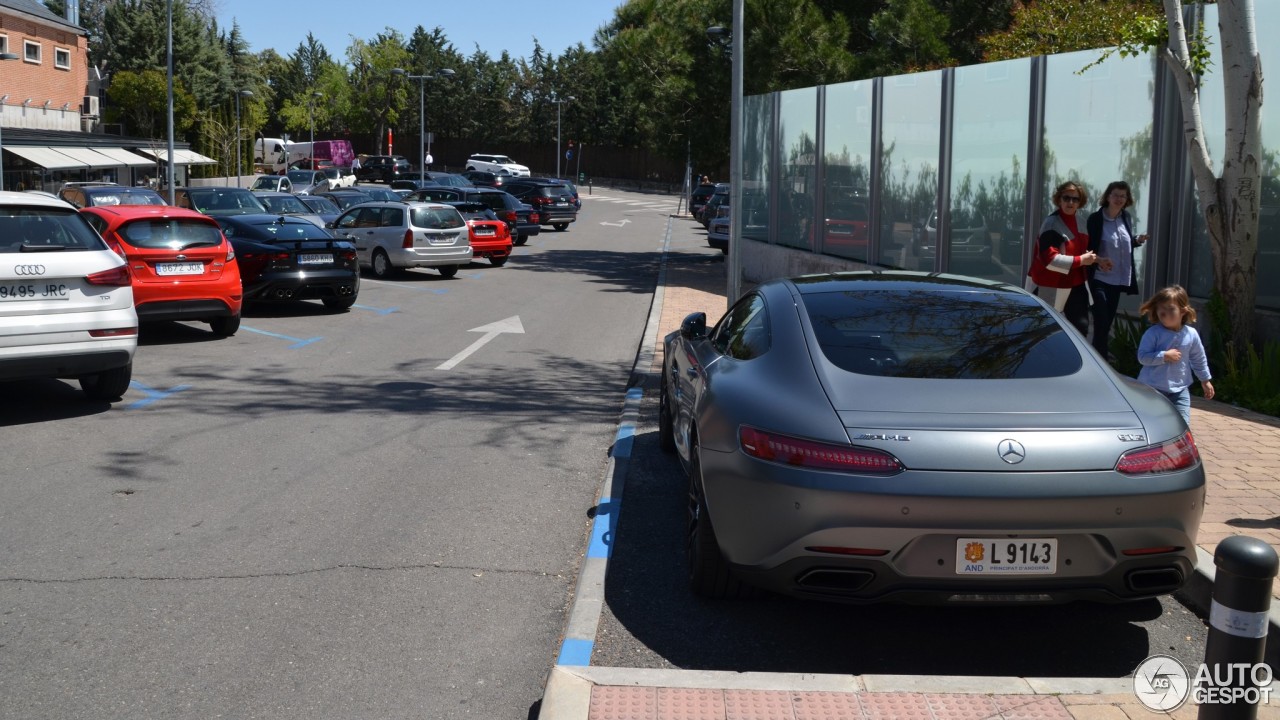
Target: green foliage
1251 380
1126 334
1056 26
139 101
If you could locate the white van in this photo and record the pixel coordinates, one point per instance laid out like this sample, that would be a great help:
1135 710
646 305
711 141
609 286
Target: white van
270 152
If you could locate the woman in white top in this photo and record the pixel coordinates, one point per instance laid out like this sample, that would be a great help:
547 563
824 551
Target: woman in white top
1111 236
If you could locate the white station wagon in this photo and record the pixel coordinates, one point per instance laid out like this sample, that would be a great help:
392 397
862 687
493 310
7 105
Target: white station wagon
390 236
66 299
500 164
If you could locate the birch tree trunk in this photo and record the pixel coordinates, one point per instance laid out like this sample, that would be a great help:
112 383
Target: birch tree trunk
1229 201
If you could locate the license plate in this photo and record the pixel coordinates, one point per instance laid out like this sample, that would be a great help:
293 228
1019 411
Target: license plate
34 291
315 258
442 239
1006 556
186 268
484 231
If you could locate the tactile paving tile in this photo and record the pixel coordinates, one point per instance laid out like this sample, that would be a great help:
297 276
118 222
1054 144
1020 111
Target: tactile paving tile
623 703
895 706
682 704
826 706
757 705
956 706
1031 707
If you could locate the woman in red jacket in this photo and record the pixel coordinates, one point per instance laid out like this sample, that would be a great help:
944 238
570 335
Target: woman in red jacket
1062 254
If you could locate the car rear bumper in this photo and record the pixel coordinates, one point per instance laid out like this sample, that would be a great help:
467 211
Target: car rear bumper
495 249
431 256
769 519
193 309
299 286
556 216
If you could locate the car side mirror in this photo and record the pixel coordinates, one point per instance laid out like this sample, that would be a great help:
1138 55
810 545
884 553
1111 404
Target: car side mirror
694 326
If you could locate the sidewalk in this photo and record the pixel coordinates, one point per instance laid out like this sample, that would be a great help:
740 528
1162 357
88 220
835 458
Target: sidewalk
1241 452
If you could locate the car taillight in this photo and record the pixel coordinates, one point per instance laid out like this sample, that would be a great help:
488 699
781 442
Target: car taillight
114 332
115 247
348 255
788 450
534 217
509 216
231 253
408 239
1177 454
115 277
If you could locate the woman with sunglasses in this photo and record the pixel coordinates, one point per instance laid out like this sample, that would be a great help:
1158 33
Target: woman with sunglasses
1062 254
1111 236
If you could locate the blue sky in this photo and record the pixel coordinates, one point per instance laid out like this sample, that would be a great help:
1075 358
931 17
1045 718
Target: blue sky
494 25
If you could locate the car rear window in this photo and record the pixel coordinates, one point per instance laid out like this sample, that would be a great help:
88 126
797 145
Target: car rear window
125 196
436 218
176 234
301 230
284 204
44 229
916 332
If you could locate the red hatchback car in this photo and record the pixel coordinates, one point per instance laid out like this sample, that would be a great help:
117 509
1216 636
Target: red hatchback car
490 237
182 266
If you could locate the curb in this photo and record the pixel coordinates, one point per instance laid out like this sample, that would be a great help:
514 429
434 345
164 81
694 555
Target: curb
567 695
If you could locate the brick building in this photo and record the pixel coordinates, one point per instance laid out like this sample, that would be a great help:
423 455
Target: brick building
44 88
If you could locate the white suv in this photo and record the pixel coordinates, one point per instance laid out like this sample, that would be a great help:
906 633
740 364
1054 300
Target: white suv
66 300
500 164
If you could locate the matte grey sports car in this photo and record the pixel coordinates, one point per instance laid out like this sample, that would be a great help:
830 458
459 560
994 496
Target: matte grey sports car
922 438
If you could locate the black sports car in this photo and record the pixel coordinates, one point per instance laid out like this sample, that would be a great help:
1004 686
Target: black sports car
284 258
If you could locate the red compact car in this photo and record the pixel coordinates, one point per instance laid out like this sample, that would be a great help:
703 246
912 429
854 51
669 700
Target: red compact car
490 237
182 266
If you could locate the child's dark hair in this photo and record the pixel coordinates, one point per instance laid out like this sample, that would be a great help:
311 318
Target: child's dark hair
1175 294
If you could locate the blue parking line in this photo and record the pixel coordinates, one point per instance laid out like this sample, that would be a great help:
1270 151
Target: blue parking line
152 394
574 651
603 526
379 311
297 342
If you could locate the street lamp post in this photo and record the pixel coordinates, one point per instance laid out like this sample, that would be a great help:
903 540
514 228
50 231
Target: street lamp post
168 70
559 102
4 56
311 115
735 156
239 94
422 112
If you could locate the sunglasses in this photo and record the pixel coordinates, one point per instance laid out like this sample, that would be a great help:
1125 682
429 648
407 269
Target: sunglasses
1069 199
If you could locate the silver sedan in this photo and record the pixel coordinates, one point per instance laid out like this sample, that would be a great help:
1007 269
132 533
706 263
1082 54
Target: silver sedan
922 438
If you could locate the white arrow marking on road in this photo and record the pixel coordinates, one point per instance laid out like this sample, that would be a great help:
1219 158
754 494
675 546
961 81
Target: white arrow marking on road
617 224
491 331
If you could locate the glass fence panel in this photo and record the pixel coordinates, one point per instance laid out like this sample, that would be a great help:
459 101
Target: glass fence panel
846 170
757 149
909 161
798 138
988 171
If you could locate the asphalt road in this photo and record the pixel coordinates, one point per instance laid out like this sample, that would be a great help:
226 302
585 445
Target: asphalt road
312 518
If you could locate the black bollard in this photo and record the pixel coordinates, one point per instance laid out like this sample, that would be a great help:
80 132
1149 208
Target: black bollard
1237 630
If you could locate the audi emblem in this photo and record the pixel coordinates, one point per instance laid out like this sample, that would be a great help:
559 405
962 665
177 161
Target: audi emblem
28 270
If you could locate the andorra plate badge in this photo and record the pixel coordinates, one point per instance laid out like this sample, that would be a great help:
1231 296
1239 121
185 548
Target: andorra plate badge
973 552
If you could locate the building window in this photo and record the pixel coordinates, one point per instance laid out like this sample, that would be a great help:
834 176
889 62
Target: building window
4 43
31 51
62 58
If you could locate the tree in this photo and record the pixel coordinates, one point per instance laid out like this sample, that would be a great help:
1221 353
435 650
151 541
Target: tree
139 101
1058 26
1230 199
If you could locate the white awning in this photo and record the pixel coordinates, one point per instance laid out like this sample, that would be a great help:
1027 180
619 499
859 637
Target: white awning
87 156
180 156
46 157
120 156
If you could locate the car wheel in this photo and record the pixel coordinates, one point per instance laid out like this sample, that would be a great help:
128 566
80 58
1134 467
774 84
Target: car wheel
709 574
381 265
666 426
448 271
339 303
521 239
497 262
108 384
225 326
560 227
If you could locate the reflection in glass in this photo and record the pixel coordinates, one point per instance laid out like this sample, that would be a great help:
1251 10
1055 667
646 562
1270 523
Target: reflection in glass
797 132
757 148
909 159
1097 128
988 171
846 170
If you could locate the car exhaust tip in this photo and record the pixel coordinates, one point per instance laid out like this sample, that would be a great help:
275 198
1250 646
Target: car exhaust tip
835 580
1155 580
